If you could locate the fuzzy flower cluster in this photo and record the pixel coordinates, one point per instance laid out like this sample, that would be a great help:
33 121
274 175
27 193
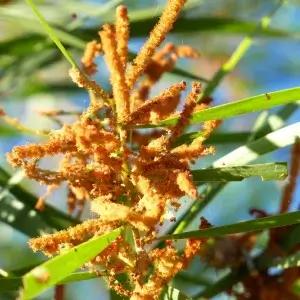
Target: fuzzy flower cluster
130 177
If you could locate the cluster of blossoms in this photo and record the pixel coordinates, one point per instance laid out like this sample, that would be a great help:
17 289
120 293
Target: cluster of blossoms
125 186
132 177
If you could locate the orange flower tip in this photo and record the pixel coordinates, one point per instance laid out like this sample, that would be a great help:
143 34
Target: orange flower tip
106 27
183 84
75 75
121 10
193 193
196 87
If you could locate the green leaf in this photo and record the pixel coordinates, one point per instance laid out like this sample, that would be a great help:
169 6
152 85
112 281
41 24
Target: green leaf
262 262
32 27
269 171
186 74
241 227
56 269
276 140
13 283
8 132
211 24
191 279
19 72
18 210
240 156
54 34
171 293
236 108
266 123
10 284
239 52
287 262
23 45
142 22
79 276
37 88
215 138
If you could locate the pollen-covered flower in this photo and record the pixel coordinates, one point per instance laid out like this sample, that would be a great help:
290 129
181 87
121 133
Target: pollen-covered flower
131 177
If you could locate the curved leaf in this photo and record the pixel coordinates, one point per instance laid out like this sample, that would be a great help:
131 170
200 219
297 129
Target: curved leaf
18 207
215 138
288 241
240 156
171 293
276 140
241 227
56 269
270 171
14 283
236 108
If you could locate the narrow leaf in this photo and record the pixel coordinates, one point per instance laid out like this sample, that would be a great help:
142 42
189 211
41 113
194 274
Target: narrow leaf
221 25
11 284
240 51
272 122
56 269
215 138
240 156
190 279
18 207
290 261
269 171
14 283
289 240
271 142
32 27
236 108
52 34
241 227
172 293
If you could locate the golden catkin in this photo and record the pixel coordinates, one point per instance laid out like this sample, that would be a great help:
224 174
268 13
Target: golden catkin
119 86
187 111
122 34
92 50
156 37
142 114
128 186
90 85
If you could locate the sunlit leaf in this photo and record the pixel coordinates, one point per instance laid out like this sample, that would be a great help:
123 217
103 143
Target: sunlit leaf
276 140
15 283
287 242
18 210
215 138
270 171
172 293
247 226
56 269
240 156
236 108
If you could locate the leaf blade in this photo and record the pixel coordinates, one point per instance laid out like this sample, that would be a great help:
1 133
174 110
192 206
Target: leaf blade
20 204
241 227
248 105
238 157
62 265
269 171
